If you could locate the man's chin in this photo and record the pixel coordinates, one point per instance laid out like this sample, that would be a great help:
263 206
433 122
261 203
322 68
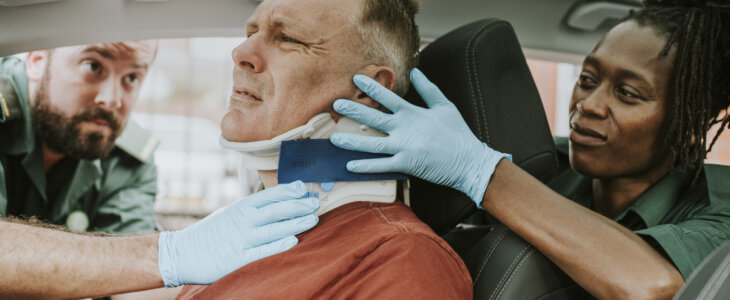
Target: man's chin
235 129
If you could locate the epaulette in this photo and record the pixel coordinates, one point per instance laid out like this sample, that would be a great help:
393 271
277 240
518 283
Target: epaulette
717 183
137 142
9 103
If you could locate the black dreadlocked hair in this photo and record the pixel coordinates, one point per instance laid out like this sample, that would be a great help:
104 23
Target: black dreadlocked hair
700 95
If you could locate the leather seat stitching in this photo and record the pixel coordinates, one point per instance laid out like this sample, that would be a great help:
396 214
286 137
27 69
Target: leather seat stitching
489 256
469 72
481 110
532 250
509 270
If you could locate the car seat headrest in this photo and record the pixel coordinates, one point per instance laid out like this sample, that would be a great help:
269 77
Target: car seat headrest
481 68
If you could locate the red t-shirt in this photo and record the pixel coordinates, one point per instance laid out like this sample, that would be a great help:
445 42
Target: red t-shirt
360 250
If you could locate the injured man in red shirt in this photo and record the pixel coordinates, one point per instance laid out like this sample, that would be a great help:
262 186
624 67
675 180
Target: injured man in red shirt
300 56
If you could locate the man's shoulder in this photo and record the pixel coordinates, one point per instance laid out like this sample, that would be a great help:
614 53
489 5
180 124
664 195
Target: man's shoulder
137 142
132 160
13 88
9 64
718 189
413 237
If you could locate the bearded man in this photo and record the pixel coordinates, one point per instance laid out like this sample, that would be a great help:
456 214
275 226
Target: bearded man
62 161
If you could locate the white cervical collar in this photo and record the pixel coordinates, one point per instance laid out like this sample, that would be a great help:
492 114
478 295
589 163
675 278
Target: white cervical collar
264 155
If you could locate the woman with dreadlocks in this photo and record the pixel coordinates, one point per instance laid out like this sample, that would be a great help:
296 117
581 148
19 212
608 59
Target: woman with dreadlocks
638 210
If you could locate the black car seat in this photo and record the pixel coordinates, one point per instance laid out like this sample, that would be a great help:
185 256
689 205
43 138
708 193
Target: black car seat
481 68
504 266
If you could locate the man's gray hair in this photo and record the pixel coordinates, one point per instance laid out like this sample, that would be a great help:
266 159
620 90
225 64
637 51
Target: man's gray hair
391 37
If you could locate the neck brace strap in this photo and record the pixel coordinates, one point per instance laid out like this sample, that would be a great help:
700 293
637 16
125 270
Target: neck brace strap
264 155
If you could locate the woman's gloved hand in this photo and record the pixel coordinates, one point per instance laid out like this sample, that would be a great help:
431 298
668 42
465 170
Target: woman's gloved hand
251 228
433 143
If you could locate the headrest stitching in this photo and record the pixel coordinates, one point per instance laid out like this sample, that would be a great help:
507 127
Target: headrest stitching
471 84
481 109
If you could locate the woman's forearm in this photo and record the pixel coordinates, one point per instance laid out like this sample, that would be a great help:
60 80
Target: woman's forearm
605 258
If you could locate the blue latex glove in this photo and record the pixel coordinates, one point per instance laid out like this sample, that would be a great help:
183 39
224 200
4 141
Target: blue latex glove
251 228
433 143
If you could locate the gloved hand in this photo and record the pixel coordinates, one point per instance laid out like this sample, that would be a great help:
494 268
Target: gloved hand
433 143
251 228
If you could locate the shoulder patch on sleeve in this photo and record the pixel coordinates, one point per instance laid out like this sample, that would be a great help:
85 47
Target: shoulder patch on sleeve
137 142
717 183
9 103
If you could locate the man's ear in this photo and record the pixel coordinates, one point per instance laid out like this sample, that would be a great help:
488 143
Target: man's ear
35 65
383 75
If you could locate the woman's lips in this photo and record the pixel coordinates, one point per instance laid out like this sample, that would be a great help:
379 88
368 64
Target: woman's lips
586 136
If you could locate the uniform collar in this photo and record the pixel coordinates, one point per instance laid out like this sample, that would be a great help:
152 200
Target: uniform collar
651 206
717 183
656 202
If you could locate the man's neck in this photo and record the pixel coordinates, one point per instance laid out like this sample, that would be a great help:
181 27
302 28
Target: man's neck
268 177
50 158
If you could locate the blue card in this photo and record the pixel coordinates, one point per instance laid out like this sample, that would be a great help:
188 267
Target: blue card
320 161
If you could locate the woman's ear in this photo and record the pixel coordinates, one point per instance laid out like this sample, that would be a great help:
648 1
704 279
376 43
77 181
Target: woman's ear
35 65
383 75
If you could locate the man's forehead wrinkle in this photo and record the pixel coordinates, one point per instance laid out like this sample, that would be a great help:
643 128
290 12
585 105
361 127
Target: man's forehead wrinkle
309 20
121 50
287 18
143 66
253 19
110 50
100 50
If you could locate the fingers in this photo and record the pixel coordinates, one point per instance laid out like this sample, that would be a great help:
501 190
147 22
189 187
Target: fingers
281 211
375 165
379 93
294 190
363 114
275 231
430 93
272 248
356 142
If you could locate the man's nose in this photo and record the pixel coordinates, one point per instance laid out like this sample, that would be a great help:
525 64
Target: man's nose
595 104
248 55
110 94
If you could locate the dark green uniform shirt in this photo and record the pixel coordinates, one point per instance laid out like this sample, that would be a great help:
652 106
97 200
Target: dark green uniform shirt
684 222
115 194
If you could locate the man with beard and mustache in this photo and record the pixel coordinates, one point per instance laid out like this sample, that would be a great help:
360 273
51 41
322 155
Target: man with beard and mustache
61 163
